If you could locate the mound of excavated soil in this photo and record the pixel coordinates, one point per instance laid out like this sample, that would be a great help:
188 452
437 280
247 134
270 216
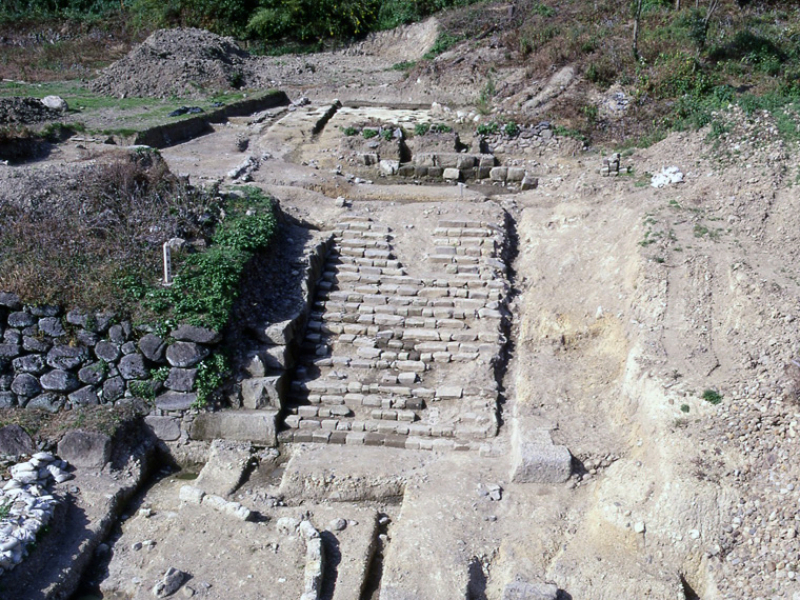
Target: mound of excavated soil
25 110
176 62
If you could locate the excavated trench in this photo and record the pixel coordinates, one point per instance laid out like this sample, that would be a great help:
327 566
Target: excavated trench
452 346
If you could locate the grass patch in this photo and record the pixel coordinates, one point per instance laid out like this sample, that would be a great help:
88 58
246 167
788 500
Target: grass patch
712 396
406 65
443 43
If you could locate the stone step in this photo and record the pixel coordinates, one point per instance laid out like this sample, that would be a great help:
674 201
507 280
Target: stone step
371 425
454 232
336 258
478 242
360 438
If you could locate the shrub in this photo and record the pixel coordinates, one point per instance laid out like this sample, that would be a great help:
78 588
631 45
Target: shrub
421 128
712 396
441 128
369 133
211 374
511 129
488 128
312 19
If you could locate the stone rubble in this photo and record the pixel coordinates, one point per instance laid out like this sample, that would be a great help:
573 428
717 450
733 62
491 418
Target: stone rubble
27 505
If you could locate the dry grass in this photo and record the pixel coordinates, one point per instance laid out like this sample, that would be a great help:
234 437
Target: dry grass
49 427
71 241
39 52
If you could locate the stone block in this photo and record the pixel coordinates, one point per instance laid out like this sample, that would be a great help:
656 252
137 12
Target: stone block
184 354
199 335
164 428
451 174
85 449
172 401
66 357
515 174
449 392
49 401
258 427
59 381
498 173
152 347
15 440
277 334
387 168
132 366
86 396
263 392
180 380
225 468
51 326
538 462
107 351
519 589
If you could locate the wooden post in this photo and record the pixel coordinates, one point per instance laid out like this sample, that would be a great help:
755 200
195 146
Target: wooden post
636 30
167 264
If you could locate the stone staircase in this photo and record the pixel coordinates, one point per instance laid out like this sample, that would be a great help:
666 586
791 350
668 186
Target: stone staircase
397 360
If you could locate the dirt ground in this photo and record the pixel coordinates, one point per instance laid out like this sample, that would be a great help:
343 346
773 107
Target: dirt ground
632 307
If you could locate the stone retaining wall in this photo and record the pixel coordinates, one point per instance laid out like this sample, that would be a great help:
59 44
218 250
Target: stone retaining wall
169 134
50 359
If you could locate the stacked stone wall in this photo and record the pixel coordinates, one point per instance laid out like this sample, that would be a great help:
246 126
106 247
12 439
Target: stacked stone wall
51 359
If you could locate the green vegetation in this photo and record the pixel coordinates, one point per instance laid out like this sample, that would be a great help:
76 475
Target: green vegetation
421 128
488 128
685 408
5 509
443 43
211 374
406 65
369 133
712 396
511 129
207 283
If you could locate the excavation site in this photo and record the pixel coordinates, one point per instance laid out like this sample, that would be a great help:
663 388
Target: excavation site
354 331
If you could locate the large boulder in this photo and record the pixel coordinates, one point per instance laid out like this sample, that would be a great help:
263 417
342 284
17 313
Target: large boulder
15 440
85 449
185 354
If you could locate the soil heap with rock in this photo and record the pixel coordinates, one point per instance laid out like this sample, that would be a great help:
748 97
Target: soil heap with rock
176 62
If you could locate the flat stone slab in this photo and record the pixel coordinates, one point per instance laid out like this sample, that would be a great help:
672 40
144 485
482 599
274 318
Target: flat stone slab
15 440
85 449
164 428
257 426
175 401
227 462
